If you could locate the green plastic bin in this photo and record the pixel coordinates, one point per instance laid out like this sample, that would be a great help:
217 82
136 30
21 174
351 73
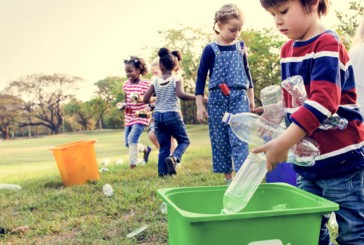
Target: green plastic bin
277 214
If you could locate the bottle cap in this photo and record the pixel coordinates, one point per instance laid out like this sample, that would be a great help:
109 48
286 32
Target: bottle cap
226 118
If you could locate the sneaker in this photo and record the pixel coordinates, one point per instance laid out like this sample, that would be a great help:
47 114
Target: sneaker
147 153
171 165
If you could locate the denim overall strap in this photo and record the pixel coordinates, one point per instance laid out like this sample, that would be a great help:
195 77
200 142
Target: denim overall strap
226 147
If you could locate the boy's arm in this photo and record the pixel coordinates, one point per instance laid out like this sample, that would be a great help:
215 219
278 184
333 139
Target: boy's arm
277 150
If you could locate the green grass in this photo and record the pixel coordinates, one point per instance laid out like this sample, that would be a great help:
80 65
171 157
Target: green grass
83 214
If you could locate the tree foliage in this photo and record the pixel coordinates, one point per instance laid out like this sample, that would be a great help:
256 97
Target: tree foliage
42 96
109 91
10 111
349 21
77 110
263 54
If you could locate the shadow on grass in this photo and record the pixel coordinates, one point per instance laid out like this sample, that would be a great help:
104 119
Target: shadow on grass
53 185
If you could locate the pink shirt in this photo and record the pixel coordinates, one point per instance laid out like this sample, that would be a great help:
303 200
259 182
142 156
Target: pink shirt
141 88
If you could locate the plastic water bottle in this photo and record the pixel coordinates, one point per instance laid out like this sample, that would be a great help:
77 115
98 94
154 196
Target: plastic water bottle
10 187
107 189
272 101
245 183
121 105
296 88
334 122
257 131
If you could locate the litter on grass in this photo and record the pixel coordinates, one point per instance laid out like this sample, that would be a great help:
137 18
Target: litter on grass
9 187
137 231
103 170
119 161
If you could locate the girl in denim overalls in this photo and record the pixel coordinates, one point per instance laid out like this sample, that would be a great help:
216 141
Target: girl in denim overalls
225 60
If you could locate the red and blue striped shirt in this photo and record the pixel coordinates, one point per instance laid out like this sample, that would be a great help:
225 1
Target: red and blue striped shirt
325 66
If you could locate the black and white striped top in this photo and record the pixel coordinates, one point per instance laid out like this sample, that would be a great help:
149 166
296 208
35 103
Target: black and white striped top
165 90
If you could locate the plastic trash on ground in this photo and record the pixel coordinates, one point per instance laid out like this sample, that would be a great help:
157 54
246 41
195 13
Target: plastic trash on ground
108 190
9 187
136 231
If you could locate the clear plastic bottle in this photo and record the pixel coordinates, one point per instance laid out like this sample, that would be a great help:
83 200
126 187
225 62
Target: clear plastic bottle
10 187
334 122
272 101
245 183
107 190
121 105
296 88
257 131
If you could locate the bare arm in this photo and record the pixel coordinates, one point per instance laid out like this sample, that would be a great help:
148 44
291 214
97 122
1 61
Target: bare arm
148 94
201 110
277 150
250 94
181 92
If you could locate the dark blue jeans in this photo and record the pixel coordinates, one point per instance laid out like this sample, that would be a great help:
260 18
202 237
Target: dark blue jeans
169 124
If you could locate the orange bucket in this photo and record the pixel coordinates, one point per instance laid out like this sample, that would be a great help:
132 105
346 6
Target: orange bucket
76 162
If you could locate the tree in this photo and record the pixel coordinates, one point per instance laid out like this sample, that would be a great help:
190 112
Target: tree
263 54
348 21
42 96
10 109
108 93
79 111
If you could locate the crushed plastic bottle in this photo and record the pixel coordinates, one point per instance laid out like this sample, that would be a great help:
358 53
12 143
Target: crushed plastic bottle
296 88
136 231
106 161
134 97
163 208
119 161
121 105
10 187
272 101
108 190
101 170
257 131
334 122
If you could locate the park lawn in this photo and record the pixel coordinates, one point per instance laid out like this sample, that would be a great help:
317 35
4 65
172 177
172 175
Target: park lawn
81 214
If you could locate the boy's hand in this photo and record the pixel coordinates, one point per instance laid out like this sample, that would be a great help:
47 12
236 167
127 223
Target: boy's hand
275 154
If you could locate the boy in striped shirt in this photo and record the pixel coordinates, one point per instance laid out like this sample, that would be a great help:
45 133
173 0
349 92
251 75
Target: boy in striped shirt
318 55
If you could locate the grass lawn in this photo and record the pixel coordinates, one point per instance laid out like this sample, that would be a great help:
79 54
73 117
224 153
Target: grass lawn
82 214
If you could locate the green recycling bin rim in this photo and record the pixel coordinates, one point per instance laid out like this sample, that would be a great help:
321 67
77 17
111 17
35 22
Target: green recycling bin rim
322 205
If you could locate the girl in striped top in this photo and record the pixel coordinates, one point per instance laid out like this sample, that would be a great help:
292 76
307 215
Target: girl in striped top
134 89
167 119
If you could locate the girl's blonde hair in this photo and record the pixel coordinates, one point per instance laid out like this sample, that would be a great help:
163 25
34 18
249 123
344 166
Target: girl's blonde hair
155 62
226 13
359 34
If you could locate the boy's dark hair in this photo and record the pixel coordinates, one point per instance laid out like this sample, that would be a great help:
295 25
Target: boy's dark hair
323 7
138 63
169 60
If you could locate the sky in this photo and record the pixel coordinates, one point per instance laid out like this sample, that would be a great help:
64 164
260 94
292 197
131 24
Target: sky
91 38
